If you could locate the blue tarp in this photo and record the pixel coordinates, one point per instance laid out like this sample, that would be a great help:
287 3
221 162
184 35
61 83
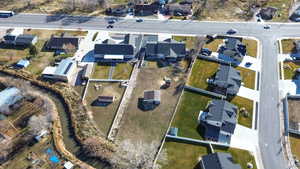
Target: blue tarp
54 159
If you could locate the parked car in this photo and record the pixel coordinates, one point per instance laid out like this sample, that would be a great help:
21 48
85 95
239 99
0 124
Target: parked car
111 22
110 26
267 27
205 52
139 20
248 64
231 31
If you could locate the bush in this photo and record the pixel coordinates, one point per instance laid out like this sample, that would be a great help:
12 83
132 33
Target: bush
33 51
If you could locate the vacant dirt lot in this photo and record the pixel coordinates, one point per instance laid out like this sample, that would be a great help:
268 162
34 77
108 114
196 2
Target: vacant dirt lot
104 115
148 126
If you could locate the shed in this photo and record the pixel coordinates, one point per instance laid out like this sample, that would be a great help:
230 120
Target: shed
68 165
23 63
106 99
173 131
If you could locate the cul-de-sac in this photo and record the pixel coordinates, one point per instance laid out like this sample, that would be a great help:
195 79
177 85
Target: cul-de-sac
149 84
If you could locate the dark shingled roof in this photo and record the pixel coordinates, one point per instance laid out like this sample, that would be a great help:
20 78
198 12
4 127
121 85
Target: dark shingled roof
228 79
223 112
59 42
152 95
179 10
168 49
114 49
24 39
219 160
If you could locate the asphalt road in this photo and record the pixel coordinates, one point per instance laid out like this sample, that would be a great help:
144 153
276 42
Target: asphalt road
269 119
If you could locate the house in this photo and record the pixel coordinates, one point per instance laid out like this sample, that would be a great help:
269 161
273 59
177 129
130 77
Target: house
267 13
9 97
219 120
146 9
227 81
151 99
87 71
11 36
60 42
118 51
218 160
26 40
234 48
295 15
65 71
178 10
23 63
168 50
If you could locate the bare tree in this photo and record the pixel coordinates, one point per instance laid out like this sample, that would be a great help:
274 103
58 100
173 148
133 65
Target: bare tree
95 148
69 48
69 4
38 123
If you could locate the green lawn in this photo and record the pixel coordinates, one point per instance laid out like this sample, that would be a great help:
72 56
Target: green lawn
182 156
248 105
248 77
202 70
283 7
122 71
42 60
251 46
213 46
187 114
239 156
101 71
289 69
189 40
295 145
288 46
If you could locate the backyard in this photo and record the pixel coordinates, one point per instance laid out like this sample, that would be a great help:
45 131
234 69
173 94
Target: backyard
187 156
150 126
202 70
186 117
104 115
101 71
214 45
122 71
289 69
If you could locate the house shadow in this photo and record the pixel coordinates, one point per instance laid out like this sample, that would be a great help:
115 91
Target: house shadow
89 57
78 80
14 47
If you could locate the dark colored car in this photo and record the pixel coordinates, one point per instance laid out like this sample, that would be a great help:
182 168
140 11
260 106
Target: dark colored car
110 26
111 22
139 20
231 31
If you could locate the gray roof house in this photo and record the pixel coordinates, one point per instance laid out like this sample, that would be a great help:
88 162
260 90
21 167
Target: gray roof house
219 121
234 48
58 42
169 50
218 160
110 51
227 81
26 40
151 99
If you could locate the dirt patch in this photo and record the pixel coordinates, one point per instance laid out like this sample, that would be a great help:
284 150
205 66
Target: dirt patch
294 113
149 126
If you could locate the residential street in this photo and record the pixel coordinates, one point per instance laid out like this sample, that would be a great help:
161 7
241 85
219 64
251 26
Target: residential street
269 118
